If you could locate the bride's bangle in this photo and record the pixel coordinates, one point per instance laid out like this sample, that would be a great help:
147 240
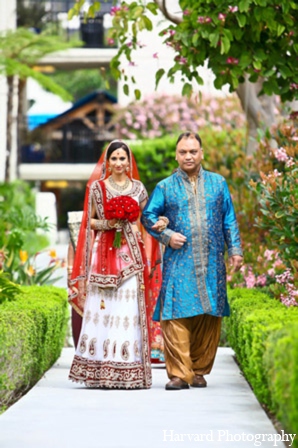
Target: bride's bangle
101 224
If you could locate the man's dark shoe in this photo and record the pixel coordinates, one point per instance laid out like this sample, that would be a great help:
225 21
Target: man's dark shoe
176 384
199 381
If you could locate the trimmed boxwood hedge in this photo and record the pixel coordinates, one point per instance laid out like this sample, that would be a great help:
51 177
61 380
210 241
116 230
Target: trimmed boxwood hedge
32 334
263 334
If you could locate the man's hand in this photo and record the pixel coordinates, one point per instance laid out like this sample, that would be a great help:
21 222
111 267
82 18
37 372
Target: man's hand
177 241
236 261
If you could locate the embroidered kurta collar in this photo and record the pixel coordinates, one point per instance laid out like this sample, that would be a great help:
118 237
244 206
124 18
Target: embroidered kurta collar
185 176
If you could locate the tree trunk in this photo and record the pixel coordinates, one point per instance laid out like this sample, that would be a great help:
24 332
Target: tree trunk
9 122
21 123
259 111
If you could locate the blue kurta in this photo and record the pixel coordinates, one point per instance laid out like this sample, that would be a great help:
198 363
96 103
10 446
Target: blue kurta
194 277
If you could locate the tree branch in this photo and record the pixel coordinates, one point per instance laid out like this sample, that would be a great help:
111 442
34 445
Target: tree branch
163 8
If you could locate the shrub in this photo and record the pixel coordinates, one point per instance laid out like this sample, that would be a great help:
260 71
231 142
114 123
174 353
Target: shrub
270 236
277 193
281 363
32 334
253 329
161 115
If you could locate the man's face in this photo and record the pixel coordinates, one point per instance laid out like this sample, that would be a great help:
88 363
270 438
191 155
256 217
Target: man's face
189 155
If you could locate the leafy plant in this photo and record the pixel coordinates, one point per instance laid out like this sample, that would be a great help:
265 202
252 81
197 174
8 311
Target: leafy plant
277 193
8 289
19 226
255 39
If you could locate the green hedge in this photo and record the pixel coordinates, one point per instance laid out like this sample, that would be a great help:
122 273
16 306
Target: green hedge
32 334
281 363
263 334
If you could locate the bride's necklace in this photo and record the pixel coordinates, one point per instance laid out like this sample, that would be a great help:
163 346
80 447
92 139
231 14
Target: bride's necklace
117 186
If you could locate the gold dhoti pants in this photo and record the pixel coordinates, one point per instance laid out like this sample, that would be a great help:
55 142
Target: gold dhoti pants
190 345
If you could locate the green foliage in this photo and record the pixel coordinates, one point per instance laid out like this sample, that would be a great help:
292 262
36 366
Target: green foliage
19 240
8 290
31 16
259 330
156 159
256 39
281 363
32 334
83 82
277 194
22 49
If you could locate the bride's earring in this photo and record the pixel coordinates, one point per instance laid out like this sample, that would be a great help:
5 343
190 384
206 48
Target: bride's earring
109 169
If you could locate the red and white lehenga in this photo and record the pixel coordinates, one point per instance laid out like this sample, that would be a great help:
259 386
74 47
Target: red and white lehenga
111 288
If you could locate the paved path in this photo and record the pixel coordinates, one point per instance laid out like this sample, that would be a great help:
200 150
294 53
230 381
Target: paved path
57 413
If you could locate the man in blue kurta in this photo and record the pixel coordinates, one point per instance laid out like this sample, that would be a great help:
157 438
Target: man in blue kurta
200 221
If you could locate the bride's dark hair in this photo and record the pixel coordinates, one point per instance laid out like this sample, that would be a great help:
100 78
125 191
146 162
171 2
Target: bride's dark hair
117 145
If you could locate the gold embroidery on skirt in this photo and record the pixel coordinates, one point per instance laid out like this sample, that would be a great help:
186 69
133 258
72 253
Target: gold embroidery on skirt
135 321
125 351
92 347
136 348
117 321
126 323
114 349
83 345
106 348
96 318
106 319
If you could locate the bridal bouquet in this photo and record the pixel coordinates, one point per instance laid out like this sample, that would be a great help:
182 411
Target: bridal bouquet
122 208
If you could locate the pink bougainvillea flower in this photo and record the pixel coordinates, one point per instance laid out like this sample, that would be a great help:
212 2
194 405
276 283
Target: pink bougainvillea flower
181 60
155 55
293 86
114 10
232 61
233 8
221 16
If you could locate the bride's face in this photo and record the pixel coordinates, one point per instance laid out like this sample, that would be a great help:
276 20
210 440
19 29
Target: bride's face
118 162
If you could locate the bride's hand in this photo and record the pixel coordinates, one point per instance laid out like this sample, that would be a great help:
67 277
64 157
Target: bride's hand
159 226
135 228
115 223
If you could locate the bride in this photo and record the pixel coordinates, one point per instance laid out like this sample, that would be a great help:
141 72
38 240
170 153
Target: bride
111 286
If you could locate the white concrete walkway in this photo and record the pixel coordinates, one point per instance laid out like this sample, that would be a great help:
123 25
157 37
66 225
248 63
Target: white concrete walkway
57 413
